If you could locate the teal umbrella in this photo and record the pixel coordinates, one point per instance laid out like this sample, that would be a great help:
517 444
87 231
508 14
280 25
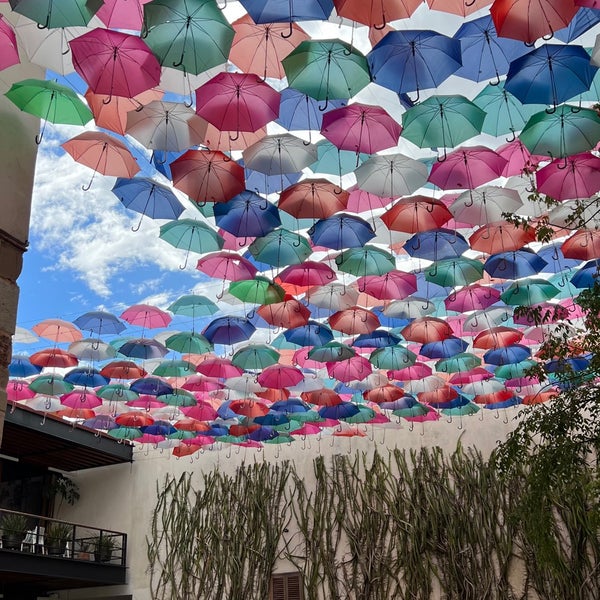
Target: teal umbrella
368 260
529 292
465 361
116 392
331 352
513 371
178 398
452 272
562 132
281 247
191 236
188 343
174 368
255 357
193 306
326 70
53 14
442 122
504 114
333 161
461 411
392 358
191 35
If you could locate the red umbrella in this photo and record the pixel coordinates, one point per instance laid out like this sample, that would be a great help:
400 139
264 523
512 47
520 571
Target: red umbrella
321 397
378 13
308 273
361 128
384 393
279 377
582 245
123 369
219 367
289 314
313 199
228 266
54 357
417 371
207 176
134 418
102 153
249 408
467 168
146 316
354 320
427 329
237 102
458 7
115 63
259 47
577 176
416 213
529 20
500 236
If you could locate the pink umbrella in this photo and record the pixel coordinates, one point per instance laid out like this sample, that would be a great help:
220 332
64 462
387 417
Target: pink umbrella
57 330
356 368
472 297
279 377
200 383
115 63
394 285
122 14
467 168
518 158
237 102
219 368
145 402
361 128
202 412
81 399
18 389
9 53
146 316
361 200
308 273
576 176
228 266
417 371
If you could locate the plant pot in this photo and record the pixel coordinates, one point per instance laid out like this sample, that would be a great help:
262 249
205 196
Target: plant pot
12 541
104 555
56 547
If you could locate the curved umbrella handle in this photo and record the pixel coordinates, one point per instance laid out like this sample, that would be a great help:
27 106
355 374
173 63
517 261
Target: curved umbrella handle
288 34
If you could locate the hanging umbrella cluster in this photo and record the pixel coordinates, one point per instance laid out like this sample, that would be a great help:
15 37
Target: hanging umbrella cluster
363 249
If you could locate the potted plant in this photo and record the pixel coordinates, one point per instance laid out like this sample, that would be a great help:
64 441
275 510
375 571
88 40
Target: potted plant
83 550
56 537
103 547
14 530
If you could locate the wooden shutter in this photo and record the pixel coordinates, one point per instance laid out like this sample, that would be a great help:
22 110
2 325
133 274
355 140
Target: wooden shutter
287 586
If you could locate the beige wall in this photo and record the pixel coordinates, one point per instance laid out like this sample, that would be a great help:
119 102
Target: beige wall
122 497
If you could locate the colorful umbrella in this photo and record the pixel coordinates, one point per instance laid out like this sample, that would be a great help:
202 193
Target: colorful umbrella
247 215
8 45
54 14
313 199
192 236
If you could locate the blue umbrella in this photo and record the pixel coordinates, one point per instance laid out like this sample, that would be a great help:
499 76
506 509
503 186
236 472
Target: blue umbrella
341 231
508 355
587 276
261 183
263 434
436 244
514 265
484 54
143 348
146 196
86 377
287 11
584 20
343 410
550 74
555 259
99 322
333 161
414 60
159 428
273 418
247 215
152 386
311 334
300 112
291 405
446 348
376 339
228 330
21 367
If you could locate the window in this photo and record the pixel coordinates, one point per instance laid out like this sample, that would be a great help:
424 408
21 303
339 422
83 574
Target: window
287 586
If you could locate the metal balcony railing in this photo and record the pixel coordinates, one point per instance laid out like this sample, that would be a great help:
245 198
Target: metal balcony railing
27 533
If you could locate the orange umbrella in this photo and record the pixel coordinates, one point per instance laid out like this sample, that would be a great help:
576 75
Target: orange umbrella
322 397
54 357
427 329
58 330
582 245
113 115
259 48
354 320
249 408
376 14
289 314
497 337
458 7
102 153
123 369
500 236
416 213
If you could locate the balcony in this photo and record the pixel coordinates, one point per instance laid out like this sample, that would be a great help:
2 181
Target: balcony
33 566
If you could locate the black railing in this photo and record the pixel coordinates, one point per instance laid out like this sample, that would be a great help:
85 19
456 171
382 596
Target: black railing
26 533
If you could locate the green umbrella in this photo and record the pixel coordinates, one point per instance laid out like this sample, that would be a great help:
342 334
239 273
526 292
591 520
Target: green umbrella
116 392
331 352
333 161
442 122
191 236
282 438
259 290
174 368
125 433
364 415
515 370
53 14
326 69
465 361
191 35
50 101
416 410
178 398
565 131
529 292
281 247
392 358
50 385
504 113
193 306
368 260
461 411
181 434
255 356
454 272
188 343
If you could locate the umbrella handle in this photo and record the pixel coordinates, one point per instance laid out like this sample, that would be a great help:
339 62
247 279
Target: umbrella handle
45 25
324 107
287 34
382 26
513 138
496 81
470 2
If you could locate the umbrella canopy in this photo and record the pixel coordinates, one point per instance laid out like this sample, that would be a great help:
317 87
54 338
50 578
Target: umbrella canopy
54 14
192 236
